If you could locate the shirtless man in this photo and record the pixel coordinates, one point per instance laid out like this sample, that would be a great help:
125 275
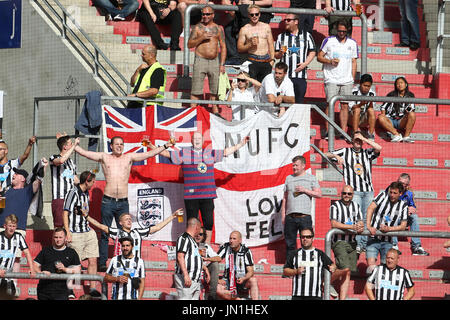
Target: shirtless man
255 38
116 168
206 37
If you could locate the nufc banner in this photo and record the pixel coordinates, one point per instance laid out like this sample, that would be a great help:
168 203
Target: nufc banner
249 182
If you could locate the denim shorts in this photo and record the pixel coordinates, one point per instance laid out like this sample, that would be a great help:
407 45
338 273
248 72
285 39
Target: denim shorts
395 123
375 246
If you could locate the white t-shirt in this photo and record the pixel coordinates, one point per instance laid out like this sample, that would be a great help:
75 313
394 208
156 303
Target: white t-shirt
269 86
345 52
248 95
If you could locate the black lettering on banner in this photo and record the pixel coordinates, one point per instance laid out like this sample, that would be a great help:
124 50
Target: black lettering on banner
291 145
229 142
249 210
266 228
272 139
248 229
263 230
261 206
250 144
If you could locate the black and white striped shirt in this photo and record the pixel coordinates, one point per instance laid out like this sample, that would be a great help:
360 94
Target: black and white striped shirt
309 283
187 245
388 213
242 259
136 234
347 215
6 172
62 177
398 110
76 200
358 167
357 92
344 5
299 47
8 249
134 267
390 284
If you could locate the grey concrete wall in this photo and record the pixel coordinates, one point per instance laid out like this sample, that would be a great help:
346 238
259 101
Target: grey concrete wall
43 66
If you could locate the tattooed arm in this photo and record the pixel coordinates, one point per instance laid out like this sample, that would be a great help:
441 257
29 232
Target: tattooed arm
197 36
223 49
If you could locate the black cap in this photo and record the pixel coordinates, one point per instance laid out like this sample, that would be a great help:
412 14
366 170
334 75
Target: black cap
126 238
21 172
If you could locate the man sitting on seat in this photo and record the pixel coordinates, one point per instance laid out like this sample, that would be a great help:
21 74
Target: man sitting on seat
116 12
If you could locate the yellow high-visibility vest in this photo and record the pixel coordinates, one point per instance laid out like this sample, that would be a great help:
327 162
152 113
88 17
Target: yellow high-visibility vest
145 83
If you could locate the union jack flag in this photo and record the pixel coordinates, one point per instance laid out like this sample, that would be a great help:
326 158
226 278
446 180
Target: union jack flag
155 124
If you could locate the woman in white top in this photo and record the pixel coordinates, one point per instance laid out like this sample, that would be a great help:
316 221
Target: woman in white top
240 91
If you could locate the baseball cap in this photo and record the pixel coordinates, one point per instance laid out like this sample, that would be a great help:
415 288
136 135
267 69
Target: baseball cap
21 172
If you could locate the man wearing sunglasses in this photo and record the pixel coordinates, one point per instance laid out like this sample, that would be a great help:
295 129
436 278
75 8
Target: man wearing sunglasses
206 38
307 267
297 49
346 215
338 55
255 39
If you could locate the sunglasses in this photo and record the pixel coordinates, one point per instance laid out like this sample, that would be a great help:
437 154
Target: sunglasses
241 80
254 14
206 14
289 20
347 193
201 234
306 237
342 31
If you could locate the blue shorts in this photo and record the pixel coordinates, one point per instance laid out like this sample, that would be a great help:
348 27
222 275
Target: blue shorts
395 122
375 246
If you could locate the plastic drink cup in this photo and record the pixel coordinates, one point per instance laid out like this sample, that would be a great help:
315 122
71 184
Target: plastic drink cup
180 216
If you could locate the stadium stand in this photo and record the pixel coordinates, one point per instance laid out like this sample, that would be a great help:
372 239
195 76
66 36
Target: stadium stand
427 160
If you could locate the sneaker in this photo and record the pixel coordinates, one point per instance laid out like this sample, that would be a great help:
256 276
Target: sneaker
414 46
71 294
119 17
419 251
95 294
108 17
333 292
401 44
408 139
396 248
397 138
358 250
371 136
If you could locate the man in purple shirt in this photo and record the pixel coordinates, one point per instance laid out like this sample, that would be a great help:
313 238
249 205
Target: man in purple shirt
197 164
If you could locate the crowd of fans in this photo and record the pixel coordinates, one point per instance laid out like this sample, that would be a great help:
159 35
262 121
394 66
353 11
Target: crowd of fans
247 44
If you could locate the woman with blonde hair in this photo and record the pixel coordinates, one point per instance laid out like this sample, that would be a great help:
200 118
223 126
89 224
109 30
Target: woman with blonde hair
242 92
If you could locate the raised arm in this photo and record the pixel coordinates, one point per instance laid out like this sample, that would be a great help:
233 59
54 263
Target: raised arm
162 224
38 181
27 151
135 157
233 149
59 161
91 155
163 153
96 224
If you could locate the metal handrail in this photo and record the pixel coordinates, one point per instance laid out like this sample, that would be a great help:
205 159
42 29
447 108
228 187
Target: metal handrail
97 51
364 39
332 232
336 98
441 35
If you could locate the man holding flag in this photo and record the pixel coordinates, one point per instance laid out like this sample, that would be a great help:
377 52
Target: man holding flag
116 168
197 164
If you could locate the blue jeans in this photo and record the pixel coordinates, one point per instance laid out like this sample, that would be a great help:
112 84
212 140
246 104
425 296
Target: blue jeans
364 199
299 89
111 209
413 223
409 22
129 6
375 246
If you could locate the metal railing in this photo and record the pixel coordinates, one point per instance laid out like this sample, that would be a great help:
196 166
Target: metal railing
332 232
61 23
441 36
74 277
364 32
336 98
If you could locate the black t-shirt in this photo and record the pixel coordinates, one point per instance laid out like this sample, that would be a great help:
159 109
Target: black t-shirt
305 4
46 258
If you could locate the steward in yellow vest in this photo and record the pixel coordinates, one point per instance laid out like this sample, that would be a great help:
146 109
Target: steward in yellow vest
149 79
